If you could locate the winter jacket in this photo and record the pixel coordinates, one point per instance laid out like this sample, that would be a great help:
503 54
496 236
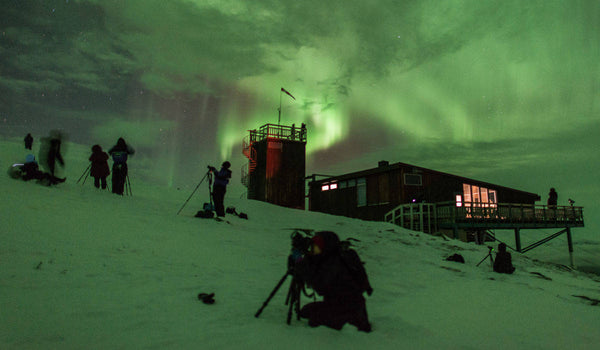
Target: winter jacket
99 161
503 263
333 273
222 177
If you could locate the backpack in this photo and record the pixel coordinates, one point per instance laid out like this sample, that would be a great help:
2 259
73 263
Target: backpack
205 214
456 257
352 261
119 157
349 258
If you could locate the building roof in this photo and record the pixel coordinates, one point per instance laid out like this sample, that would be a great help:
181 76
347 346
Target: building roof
396 166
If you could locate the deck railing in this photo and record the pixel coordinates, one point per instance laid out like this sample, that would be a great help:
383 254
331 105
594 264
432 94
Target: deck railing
508 213
429 217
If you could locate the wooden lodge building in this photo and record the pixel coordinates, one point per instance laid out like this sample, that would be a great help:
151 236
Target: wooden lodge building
372 193
435 202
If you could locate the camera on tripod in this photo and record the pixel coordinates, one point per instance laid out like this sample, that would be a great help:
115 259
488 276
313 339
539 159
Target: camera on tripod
301 245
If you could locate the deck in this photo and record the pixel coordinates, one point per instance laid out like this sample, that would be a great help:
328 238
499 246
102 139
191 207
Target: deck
432 217
480 218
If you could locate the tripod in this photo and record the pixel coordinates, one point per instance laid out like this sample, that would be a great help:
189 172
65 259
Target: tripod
293 296
128 186
195 189
489 254
86 173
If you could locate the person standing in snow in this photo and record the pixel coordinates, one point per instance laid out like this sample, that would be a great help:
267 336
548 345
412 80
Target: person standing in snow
119 153
99 169
503 262
220 186
50 152
552 198
339 276
28 141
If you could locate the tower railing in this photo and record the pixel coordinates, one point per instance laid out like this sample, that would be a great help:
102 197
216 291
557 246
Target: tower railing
281 132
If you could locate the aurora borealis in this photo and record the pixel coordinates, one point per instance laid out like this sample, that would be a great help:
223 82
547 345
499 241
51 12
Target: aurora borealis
502 91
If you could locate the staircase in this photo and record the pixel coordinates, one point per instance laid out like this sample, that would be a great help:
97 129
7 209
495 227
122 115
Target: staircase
250 153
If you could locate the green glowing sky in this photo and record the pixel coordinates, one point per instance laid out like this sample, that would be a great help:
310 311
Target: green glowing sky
503 91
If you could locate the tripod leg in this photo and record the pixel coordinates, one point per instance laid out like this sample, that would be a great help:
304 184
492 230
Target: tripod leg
292 296
195 189
271 295
490 255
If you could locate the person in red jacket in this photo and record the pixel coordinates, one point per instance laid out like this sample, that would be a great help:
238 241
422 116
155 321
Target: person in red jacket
99 170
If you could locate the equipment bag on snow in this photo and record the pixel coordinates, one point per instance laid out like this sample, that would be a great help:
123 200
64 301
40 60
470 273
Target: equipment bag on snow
205 214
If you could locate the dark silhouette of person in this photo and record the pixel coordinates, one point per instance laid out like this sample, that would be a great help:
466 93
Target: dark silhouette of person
340 278
119 154
28 141
220 186
50 152
99 169
503 262
30 171
552 198
302 132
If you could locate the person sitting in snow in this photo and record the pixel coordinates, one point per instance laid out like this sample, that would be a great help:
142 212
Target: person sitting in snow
99 169
30 171
503 262
340 278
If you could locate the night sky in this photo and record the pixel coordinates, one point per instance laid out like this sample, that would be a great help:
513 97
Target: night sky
500 91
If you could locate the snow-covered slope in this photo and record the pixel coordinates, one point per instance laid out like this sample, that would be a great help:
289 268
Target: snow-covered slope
82 268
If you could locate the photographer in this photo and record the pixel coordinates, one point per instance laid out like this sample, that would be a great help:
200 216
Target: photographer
220 186
503 262
339 276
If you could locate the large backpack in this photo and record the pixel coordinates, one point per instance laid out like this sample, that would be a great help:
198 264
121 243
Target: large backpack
349 258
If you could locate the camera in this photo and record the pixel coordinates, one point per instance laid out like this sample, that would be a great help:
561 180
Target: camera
301 243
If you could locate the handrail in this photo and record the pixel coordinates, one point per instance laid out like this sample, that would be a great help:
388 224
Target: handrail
449 212
282 132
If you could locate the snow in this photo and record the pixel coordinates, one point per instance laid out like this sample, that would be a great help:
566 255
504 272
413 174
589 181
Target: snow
83 268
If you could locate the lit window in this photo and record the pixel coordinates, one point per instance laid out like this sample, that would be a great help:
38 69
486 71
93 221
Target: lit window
458 200
325 188
333 186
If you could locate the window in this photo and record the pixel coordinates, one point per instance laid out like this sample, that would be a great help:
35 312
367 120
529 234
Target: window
343 184
325 188
458 200
333 186
361 192
467 193
484 197
352 183
413 180
492 196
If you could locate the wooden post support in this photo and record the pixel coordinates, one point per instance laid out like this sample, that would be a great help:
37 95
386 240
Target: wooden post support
570 242
518 239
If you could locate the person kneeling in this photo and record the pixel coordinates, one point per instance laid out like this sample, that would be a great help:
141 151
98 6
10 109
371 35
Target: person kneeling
339 276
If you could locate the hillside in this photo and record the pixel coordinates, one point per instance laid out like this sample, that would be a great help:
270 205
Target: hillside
82 268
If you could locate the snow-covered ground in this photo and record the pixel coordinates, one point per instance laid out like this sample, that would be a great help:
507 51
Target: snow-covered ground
82 268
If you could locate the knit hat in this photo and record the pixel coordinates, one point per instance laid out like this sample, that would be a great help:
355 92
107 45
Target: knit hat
319 242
